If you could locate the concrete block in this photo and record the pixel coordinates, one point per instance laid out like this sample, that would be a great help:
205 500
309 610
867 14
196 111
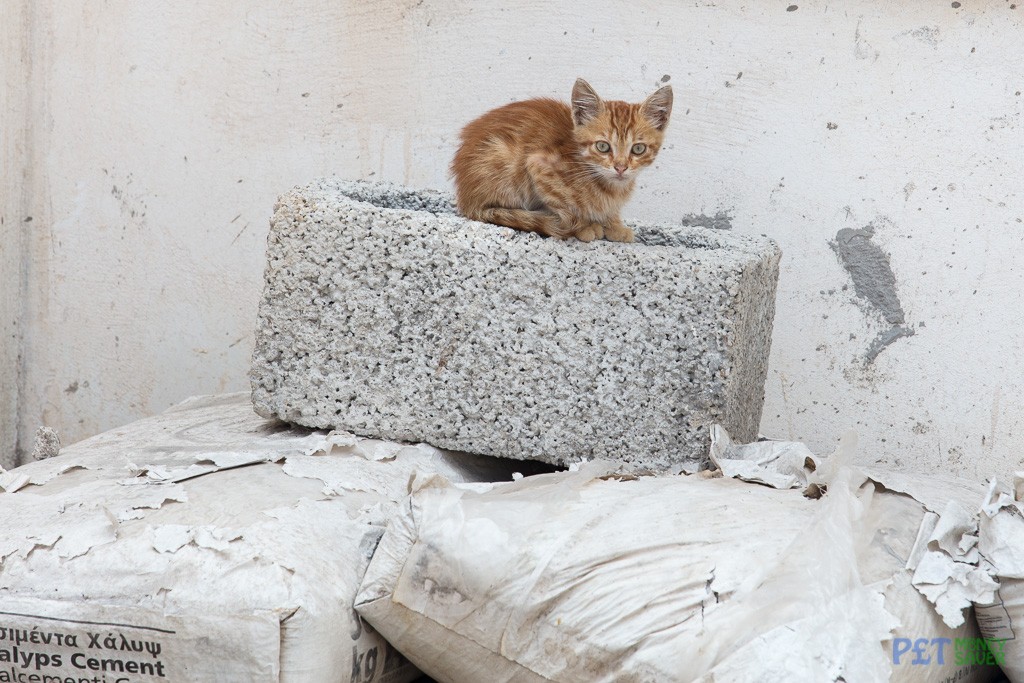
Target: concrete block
388 315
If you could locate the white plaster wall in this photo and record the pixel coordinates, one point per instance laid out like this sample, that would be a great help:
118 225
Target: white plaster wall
15 73
163 131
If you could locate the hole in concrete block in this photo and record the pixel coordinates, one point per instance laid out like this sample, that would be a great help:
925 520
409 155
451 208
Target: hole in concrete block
394 197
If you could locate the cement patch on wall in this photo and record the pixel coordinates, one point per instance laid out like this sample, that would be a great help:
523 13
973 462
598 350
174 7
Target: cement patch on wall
873 283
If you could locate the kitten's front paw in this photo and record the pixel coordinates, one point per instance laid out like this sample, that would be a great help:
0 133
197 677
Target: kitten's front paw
594 231
618 233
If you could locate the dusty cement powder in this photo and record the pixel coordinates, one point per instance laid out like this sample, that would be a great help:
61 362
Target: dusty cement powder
386 314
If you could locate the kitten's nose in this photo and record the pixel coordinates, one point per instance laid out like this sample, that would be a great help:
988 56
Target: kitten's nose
620 169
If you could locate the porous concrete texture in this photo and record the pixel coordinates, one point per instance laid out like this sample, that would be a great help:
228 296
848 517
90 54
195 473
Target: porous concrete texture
387 314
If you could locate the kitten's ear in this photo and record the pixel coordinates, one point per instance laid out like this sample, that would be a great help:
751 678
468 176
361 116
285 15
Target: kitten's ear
585 102
657 107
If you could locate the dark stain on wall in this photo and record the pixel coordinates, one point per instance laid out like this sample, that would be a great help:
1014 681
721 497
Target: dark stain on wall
722 220
884 338
874 283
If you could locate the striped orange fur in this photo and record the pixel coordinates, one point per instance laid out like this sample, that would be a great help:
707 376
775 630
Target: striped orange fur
564 171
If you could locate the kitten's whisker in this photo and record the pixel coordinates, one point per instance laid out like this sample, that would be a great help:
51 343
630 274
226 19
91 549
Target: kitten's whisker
587 173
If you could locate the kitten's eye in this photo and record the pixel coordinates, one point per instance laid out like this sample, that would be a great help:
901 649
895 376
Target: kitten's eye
639 148
603 147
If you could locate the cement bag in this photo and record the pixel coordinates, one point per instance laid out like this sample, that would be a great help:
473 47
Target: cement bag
907 530
578 577
204 544
1002 549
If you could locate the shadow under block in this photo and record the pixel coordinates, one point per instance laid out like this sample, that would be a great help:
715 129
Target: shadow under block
386 314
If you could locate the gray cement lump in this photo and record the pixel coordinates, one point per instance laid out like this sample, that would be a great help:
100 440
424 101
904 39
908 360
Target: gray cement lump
386 314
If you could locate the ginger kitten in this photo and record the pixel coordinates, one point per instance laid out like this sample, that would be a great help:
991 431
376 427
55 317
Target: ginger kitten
543 166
